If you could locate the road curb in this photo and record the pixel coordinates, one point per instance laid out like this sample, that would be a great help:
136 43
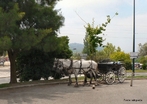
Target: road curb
31 85
47 83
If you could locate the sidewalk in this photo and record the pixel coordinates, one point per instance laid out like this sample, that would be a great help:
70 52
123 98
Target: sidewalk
5 70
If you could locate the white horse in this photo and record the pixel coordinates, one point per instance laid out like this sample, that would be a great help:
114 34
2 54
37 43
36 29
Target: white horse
75 67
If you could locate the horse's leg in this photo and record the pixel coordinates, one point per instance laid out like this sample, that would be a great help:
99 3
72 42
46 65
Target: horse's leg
95 78
85 79
91 76
76 78
96 82
70 81
76 85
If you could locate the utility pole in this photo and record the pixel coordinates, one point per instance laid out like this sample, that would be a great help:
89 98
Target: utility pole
133 60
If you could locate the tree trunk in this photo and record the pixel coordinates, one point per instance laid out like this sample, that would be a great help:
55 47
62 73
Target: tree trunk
12 57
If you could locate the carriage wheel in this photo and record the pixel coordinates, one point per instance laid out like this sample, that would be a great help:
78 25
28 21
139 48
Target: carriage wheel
110 77
101 77
122 74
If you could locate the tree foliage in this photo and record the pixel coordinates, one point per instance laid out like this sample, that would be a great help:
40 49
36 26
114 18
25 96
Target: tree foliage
109 49
33 65
106 52
121 56
63 50
118 49
110 52
143 50
100 56
28 24
143 60
92 38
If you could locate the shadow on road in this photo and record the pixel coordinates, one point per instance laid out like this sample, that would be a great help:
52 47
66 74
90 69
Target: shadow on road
29 94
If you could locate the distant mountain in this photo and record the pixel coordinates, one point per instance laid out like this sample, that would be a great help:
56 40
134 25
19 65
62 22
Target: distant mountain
77 47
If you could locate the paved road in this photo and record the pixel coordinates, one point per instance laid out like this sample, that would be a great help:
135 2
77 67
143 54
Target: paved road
63 94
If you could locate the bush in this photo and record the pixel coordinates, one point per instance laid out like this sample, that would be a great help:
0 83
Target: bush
128 65
144 66
56 75
34 65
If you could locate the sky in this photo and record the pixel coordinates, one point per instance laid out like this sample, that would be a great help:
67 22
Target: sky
120 30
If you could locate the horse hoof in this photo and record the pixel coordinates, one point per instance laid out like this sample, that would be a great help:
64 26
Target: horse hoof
76 86
85 84
98 84
69 84
93 86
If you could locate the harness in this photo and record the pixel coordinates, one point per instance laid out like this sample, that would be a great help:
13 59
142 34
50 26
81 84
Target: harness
89 67
70 66
80 66
71 63
81 69
64 67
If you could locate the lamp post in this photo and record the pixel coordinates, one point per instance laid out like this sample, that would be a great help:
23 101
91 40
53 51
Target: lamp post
133 60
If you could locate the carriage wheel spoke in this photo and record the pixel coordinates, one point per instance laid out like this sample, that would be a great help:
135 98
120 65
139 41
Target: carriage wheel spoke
122 74
110 78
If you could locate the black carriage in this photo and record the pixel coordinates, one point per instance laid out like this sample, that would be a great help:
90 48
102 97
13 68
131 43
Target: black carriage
110 70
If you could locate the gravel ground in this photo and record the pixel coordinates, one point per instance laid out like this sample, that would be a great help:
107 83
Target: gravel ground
63 94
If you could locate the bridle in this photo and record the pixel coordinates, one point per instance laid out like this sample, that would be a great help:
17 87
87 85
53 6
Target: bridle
63 69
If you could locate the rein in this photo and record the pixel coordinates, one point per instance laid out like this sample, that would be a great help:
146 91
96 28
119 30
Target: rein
70 64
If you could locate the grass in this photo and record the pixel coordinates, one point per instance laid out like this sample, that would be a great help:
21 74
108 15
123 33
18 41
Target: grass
137 71
137 77
4 85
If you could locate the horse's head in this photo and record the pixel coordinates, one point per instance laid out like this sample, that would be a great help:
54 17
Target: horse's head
59 67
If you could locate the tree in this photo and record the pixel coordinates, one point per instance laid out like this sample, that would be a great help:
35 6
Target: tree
34 64
109 49
86 49
121 56
100 55
110 52
63 50
143 50
32 24
92 39
143 60
118 49
106 52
